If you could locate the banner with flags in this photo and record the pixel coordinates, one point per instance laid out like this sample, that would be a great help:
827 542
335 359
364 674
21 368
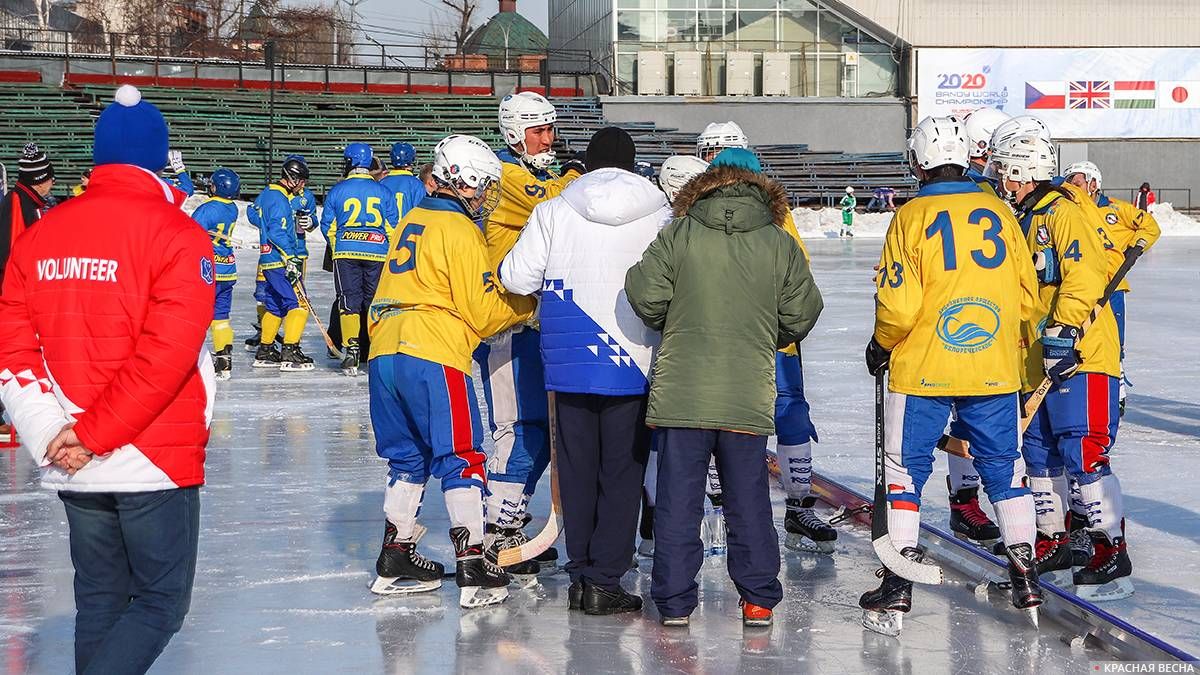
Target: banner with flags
1078 93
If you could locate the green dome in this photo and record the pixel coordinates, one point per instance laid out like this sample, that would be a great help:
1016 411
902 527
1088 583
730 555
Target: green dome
523 37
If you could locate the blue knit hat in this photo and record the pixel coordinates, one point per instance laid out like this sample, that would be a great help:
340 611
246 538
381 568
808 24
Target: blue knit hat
131 131
738 158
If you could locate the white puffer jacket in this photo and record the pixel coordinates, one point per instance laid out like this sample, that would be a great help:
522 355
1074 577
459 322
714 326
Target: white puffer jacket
576 249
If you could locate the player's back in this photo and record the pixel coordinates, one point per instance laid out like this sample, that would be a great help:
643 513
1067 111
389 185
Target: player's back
409 191
218 216
955 282
359 215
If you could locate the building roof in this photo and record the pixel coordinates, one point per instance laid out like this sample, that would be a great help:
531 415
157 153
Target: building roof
522 36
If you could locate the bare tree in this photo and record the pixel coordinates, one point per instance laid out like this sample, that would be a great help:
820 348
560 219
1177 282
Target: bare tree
462 14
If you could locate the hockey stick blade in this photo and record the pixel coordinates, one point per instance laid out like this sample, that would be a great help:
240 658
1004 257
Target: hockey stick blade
916 572
546 538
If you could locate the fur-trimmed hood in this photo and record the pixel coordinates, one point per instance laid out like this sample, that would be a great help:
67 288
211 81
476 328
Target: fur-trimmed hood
732 199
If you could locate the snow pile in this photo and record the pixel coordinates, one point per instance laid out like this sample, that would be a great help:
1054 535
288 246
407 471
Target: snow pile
825 223
1174 223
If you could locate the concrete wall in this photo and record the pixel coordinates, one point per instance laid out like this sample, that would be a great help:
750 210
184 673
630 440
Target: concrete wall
1171 167
852 125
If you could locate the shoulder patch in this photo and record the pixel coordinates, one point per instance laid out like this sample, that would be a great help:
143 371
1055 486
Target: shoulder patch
1111 218
206 271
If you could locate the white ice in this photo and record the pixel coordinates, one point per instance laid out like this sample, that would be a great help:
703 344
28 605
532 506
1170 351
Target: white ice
292 521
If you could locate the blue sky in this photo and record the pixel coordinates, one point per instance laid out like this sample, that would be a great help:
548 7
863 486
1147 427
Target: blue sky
391 21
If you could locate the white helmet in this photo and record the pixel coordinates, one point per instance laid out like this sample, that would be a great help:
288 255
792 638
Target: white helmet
522 111
1089 170
1021 125
849 190
980 125
464 162
1025 159
676 171
721 135
937 141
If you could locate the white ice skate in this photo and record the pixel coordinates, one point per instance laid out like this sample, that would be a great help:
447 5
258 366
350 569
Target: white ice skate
887 622
470 597
1117 589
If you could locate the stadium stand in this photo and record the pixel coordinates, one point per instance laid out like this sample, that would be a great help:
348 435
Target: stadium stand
230 128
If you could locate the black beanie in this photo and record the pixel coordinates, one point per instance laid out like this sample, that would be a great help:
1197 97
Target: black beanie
610 147
34 166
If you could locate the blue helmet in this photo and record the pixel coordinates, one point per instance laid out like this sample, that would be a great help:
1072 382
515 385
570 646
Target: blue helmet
225 183
644 168
358 156
403 155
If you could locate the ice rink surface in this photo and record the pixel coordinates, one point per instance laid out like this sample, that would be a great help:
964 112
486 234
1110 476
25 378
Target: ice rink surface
292 521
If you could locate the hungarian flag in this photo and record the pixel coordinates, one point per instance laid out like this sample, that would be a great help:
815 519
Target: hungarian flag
1045 95
1133 94
1184 94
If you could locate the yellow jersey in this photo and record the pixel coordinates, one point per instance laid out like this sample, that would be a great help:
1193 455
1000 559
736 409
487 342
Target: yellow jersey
1067 231
789 226
955 282
438 295
520 191
1126 224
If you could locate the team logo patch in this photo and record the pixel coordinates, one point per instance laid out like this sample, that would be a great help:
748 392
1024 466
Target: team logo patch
1111 218
206 271
1043 235
968 325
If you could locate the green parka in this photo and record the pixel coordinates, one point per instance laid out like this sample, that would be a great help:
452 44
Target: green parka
727 287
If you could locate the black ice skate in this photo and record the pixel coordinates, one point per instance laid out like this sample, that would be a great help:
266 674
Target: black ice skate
291 359
350 358
1023 576
480 582
223 363
499 538
805 529
968 521
266 357
1106 576
884 608
255 338
401 570
1081 541
1052 558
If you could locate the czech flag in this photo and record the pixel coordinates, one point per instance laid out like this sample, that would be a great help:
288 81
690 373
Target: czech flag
1045 95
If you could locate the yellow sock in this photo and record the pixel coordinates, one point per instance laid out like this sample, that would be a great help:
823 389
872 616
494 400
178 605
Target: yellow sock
293 326
222 334
262 309
270 327
350 327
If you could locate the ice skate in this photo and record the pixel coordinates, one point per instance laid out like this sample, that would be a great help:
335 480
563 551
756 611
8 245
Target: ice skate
291 359
254 340
480 582
1023 580
968 521
223 363
401 570
884 608
497 539
1081 542
1053 558
1106 576
350 358
266 357
805 529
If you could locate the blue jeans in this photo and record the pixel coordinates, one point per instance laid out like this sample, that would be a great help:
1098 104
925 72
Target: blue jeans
134 555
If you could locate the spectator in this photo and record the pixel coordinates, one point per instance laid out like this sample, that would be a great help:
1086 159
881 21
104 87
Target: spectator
1145 197
727 286
131 387
882 199
584 241
83 183
847 204
29 199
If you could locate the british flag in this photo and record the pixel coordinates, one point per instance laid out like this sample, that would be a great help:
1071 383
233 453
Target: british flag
1089 94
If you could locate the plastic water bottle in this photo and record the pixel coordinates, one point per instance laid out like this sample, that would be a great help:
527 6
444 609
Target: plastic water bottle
712 530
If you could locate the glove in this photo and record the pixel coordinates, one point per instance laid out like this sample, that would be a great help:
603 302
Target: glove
1059 351
175 160
1046 265
304 221
877 358
575 165
292 268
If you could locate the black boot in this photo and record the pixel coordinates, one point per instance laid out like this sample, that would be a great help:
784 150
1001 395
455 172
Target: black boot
598 600
884 608
1022 572
575 596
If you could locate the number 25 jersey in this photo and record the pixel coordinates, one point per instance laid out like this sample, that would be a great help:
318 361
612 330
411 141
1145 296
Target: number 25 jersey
954 284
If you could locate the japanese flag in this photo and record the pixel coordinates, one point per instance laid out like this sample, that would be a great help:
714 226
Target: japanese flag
1182 94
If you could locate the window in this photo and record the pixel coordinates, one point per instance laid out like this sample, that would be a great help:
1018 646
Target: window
637 27
681 26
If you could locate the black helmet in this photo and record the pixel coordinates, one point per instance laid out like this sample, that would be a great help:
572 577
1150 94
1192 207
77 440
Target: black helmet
295 168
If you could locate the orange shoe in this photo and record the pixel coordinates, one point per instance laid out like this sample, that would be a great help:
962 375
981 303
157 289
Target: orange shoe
753 615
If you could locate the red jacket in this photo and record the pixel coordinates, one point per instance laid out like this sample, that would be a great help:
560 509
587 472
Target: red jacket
102 320
19 209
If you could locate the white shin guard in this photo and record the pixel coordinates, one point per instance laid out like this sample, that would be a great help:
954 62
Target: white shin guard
795 469
904 527
401 504
465 506
1048 502
962 473
1076 503
1105 507
1015 515
505 503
